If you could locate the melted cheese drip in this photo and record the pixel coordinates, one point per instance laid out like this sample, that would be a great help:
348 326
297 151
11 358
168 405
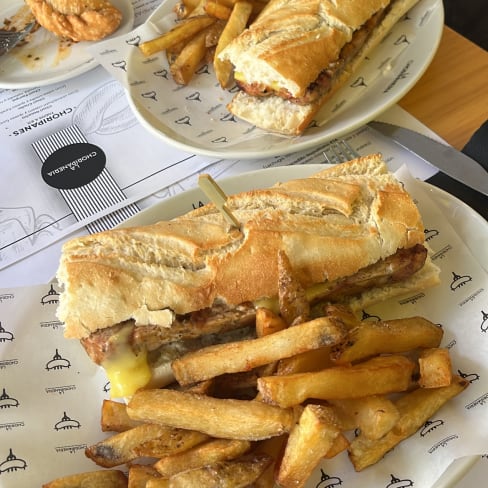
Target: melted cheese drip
126 370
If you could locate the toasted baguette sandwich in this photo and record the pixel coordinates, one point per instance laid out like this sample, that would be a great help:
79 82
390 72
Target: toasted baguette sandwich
298 53
140 297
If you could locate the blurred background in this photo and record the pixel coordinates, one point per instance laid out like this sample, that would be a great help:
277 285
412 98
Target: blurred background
469 18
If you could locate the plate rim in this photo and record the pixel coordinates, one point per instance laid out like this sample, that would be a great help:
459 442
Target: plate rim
297 142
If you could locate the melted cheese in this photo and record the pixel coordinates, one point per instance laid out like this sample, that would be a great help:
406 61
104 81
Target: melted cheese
126 370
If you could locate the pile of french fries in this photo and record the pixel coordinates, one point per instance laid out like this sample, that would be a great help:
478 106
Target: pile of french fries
315 382
203 29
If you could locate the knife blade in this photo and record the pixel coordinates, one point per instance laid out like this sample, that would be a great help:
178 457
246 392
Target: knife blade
442 157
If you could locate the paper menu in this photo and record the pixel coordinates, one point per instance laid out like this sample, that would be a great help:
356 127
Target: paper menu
51 393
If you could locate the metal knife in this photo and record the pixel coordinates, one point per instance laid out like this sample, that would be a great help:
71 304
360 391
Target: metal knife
442 157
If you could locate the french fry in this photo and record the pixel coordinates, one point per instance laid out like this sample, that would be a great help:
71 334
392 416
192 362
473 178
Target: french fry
140 474
114 417
239 473
157 483
188 60
239 356
341 443
235 25
93 479
309 361
374 415
222 418
392 336
268 322
217 9
309 441
213 34
435 368
131 444
183 31
273 447
379 375
415 409
337 311
184 8
293 303
210 452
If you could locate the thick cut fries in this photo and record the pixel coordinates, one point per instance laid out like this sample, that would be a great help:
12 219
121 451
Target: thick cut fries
308 361
245 355
268 322
374 415
114 417
415 409
210 452
435 368
183 31
140 474
380 375
228 474
235 25
217 9
130 444
157 483
273 447
308 443
222 418
188 60
95 479
393 336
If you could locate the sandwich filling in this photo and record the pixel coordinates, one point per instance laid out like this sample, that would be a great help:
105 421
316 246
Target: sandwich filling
323 83
128 352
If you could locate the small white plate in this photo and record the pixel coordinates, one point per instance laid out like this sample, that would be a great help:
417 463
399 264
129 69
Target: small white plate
194 118
45 58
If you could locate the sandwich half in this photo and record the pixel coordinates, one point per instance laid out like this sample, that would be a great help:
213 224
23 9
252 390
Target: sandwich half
298 53
139 297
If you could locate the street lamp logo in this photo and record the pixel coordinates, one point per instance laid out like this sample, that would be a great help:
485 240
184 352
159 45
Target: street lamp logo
12 463
57 362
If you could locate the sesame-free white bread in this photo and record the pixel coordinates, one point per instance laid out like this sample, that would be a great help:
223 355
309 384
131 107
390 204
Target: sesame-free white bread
330 225
293 60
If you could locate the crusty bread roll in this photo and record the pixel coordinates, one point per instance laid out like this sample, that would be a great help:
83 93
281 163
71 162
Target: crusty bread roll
290 46
330 225
78 20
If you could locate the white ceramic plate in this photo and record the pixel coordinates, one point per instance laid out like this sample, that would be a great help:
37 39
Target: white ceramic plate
471 227
45 59
195 119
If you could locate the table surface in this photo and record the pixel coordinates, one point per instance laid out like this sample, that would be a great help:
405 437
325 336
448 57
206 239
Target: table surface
451 98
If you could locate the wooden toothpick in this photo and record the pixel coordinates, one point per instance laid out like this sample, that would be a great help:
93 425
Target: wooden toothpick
213 191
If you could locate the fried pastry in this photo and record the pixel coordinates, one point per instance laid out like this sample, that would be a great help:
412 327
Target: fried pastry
78 20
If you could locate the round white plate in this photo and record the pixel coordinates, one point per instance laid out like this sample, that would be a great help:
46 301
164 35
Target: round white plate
471 227
195 119
46 59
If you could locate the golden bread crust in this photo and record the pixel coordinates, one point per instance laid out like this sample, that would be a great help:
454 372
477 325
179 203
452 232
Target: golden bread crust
78 20
276 114
330 225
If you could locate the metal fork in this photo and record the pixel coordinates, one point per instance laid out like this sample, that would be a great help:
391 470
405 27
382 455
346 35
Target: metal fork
10 38
338 151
